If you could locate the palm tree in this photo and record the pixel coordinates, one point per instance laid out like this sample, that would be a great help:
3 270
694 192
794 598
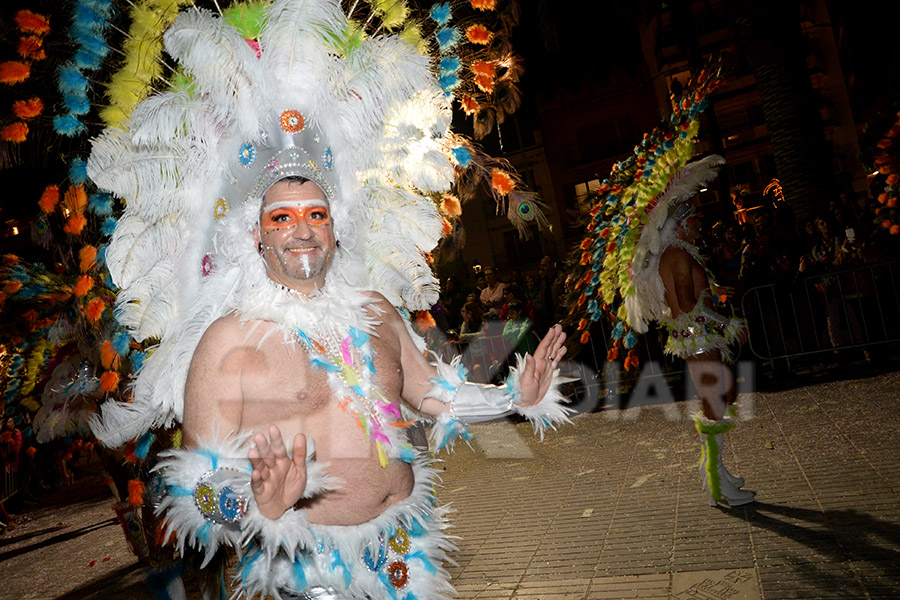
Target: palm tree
772 44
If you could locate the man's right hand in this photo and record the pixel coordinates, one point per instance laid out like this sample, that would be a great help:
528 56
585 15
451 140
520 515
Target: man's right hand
278 481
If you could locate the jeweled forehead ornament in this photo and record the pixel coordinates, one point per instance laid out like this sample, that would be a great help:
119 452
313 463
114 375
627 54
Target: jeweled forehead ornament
291 146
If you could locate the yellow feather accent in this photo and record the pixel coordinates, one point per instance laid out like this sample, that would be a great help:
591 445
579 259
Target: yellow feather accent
393 13
412 35
34 366
30 404
382 455
132 83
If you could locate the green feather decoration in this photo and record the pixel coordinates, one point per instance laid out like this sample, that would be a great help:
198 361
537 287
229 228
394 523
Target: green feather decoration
247 17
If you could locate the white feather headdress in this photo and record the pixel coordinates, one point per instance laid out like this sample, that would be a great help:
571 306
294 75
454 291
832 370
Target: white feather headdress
183 253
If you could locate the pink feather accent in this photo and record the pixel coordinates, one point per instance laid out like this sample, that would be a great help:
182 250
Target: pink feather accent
345 350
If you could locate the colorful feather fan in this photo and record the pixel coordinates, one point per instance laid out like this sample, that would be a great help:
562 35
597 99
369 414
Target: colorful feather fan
617 216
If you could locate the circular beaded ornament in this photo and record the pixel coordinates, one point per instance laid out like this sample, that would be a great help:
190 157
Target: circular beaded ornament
206 499
400 542
221 208
292 121
247 154
207 267
398 573
231 506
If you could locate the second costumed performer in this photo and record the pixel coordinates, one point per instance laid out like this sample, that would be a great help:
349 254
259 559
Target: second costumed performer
640 264
276 220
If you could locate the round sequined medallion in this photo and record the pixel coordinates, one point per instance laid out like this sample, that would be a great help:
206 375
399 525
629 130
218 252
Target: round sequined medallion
400 542
231 505
328 159
398 573
206 267
221 208
292 121
205 499
247 154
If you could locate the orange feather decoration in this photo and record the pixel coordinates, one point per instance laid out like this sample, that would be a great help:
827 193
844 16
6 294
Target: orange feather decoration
13 72
83 286
109 381
49 199
469 105
501 181
479 34
28 109
87 258
14 132
29 47
75 224
136 492
30 22
95 310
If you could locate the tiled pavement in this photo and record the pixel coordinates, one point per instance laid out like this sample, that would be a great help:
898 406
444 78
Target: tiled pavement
609 508
612 508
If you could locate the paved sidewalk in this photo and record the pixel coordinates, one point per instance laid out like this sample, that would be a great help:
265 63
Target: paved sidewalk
612 507
608 508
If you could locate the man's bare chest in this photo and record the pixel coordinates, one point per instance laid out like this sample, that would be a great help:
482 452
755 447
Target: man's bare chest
287 378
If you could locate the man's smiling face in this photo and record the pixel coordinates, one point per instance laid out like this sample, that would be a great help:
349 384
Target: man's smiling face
296 235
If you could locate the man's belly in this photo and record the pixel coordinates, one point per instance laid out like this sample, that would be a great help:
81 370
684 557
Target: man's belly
368 489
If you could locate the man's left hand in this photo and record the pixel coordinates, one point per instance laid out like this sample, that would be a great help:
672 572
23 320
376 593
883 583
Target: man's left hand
538 372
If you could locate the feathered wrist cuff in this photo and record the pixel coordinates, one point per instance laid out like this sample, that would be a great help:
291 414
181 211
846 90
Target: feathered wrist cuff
471 402
550 411
209 503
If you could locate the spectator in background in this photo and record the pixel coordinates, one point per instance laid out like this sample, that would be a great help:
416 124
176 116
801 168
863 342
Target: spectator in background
492 294
472 314
469 341
518 335
453 297
531 292
10 445
514 293
830 253
808 236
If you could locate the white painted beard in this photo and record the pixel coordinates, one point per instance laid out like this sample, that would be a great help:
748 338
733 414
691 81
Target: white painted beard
309 265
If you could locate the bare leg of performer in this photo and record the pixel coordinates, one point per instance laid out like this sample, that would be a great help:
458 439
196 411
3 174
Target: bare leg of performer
715 385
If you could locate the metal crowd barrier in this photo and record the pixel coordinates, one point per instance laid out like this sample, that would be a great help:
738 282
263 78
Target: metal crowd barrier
858 307
10 484
854 308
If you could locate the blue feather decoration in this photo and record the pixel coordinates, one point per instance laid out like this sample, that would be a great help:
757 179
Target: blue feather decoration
447 39
100 203
462 156
441 13
71 80
68 125
78 171
108 226
77 105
